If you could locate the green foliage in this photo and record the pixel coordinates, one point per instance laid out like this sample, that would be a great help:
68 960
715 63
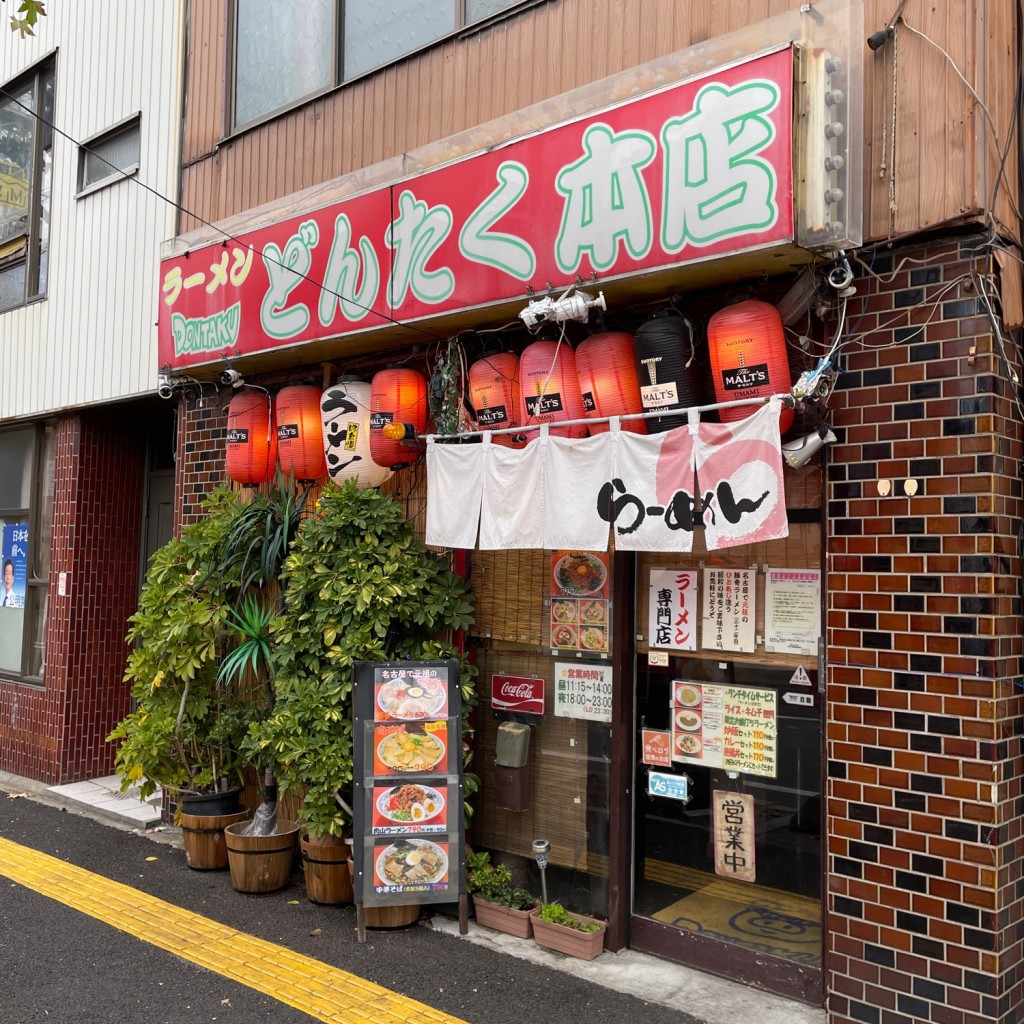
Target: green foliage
494 883
186 729
29 12
555 913
358 586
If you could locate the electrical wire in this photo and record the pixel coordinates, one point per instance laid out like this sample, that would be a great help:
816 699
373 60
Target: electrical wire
226 236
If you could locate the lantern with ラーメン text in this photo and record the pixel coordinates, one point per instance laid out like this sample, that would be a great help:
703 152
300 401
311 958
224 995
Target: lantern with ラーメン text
345 413
607 376
397 396
748 357
251 444
666 365
549 390
494 393
300 444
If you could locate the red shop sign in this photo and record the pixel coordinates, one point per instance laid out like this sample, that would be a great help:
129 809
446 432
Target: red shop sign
523 694
691 172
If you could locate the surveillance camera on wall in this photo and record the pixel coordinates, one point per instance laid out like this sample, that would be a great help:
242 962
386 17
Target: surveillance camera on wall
231 376
165 386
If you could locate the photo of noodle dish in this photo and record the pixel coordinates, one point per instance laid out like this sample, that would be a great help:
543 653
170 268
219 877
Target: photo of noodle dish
563 611
410 804
564 636
593 613
594 638
412 697
412 862
409 751
580 574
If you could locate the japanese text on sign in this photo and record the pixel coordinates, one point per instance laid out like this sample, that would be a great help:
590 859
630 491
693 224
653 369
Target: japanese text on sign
734 835
729 610
583 691
672 619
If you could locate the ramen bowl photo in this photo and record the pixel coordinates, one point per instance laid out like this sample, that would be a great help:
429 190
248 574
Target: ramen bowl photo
411 697
412 862
580 574
410 804
403 751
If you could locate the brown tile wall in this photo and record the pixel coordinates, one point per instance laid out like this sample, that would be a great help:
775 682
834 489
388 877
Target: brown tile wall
57 733
202 424
924 645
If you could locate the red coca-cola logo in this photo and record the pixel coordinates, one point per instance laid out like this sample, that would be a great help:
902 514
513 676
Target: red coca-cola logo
523 694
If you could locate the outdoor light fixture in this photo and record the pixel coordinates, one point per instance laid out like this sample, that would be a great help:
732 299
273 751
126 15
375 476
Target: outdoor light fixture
541 847
566 307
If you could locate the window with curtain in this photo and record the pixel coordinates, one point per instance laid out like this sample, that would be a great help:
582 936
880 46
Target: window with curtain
281 60
26 148
27 457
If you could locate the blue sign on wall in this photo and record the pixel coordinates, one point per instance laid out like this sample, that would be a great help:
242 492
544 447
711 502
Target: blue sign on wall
674 787
15 565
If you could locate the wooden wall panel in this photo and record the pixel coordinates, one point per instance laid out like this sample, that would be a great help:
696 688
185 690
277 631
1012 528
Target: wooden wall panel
555 47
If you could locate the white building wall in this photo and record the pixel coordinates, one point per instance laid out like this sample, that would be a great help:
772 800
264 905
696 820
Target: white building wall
93 338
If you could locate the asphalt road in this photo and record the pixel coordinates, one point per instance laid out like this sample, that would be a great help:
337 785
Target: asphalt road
59 965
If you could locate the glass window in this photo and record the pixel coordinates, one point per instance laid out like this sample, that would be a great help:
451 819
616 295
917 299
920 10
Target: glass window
377 33
26 518
26 141
280 58
110 156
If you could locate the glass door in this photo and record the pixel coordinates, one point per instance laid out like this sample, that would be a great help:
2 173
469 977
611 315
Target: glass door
727 853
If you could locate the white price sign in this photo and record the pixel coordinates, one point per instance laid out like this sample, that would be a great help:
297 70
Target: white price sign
583 691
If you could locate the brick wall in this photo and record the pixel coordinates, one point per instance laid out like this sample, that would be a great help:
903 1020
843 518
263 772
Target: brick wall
202 425
57 732
924 644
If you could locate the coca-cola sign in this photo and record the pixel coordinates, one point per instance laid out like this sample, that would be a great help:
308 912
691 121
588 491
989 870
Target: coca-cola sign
522 694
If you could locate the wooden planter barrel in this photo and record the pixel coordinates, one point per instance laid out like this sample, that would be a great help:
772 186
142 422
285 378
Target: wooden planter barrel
260 864
202 835
325 866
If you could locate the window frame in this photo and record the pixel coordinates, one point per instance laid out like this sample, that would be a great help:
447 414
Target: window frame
461 30
37 586
37 76
114 174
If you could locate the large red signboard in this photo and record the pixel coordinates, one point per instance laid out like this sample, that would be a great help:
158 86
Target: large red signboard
694 171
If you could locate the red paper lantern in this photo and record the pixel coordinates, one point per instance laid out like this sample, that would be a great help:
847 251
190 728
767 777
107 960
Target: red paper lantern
396 396
748 357
608 384
494 393
251 445
300 442
549 390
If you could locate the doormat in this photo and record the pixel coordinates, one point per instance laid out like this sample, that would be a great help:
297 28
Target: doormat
768 921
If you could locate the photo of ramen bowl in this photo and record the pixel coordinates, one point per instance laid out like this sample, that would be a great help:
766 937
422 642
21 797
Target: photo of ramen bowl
563 611
411 698
690 721
412 862
594 638
410 804
580 574
564 636
403 751
593 612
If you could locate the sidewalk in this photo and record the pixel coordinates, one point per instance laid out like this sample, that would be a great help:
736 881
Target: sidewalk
713 1000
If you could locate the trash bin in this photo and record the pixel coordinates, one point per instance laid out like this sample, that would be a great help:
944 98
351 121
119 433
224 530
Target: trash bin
512 746
513 787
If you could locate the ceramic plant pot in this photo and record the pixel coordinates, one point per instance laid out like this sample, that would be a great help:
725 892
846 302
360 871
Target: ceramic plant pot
563 939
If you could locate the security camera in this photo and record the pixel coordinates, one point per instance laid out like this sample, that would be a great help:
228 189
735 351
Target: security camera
231 376
567 307
165 386
798 453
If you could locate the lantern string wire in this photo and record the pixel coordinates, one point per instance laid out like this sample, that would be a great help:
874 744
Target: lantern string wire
786 399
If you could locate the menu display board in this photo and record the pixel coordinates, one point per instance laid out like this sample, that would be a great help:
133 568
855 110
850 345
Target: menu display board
580 615
730 727
408 788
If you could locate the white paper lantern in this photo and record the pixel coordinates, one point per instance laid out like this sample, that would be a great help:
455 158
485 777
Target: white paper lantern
345 410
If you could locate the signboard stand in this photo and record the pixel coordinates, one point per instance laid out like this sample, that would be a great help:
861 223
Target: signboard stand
408 787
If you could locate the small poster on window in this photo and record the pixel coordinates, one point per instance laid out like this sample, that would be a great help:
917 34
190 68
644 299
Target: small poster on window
727 622
15 565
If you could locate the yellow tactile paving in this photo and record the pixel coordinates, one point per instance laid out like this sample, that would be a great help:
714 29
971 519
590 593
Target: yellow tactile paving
315 988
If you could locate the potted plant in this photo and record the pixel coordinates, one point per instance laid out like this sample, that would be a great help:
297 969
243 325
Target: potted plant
497 902
358 586
574 934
